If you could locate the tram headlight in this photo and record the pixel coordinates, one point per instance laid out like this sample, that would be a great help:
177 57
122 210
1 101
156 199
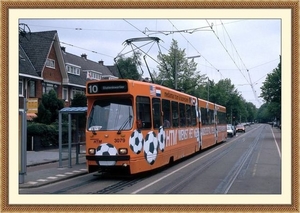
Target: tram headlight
92 151
123 151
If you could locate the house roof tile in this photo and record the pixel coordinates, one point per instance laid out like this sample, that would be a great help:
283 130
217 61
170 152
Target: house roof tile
85 65
25 65
36 46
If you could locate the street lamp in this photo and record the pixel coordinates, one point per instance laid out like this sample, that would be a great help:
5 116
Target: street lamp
192 57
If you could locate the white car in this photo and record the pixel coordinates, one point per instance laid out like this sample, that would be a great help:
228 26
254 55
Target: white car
230 130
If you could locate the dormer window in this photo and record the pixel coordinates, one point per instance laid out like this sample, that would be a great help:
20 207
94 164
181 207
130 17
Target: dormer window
50 63
94 75
73 69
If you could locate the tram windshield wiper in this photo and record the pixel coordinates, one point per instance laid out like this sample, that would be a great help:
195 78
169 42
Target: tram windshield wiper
128 120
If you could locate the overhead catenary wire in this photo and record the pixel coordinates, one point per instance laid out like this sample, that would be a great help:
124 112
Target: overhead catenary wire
196 49
249 81
227 52
159 52
251 84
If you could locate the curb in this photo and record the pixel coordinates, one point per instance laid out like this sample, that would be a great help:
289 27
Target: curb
27 185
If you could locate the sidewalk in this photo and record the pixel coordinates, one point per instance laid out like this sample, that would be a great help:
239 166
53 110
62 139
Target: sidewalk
43 167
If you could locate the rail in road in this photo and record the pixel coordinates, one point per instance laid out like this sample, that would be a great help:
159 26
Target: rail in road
249 163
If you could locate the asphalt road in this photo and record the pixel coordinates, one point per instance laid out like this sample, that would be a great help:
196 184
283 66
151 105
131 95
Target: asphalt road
249 163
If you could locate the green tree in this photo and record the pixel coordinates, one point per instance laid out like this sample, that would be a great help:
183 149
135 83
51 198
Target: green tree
271 92
49 108
128 67
43 115
177 72
225 94
252 112
263 114
79 100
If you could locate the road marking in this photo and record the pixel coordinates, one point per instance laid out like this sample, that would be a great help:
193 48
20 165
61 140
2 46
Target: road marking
32 182
154 182
41 180
51 178
276 144
60 175
68 173
255 165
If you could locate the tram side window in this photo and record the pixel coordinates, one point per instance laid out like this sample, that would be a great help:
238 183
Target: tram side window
211 117
182 114
188 115
193 113
156 112
143 111
166 113
175 114
204 116
222 117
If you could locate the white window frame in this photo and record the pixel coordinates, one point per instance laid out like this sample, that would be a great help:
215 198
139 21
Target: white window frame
65 90
50 63
94 75
32 89
74 91
21 87
73 69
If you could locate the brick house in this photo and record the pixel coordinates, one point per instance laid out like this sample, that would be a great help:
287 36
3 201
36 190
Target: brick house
45 65
80 69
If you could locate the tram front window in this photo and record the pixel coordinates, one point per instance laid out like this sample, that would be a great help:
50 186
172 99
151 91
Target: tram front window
111 114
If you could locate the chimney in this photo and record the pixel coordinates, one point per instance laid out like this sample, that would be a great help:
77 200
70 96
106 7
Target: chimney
84 56
63 49
100 62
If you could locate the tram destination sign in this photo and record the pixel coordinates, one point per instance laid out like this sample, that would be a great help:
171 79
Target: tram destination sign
107 87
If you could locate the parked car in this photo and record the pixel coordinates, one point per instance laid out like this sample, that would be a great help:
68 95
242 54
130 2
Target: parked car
240 128
230 130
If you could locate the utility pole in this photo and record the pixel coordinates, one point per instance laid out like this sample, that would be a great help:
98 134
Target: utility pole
231 115
175 68
208 84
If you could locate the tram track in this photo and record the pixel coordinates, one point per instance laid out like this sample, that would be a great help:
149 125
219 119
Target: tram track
118 186
117 182
226 183
240 166
222 169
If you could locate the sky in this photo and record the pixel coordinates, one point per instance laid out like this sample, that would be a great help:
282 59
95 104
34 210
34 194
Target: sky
243 50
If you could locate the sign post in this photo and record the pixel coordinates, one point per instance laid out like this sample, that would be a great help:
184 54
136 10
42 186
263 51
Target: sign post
22 144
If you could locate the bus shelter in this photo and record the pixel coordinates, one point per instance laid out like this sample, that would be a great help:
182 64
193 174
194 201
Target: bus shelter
69 111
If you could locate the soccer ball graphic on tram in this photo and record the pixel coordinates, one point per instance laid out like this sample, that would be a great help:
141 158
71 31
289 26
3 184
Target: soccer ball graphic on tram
136 141
106 149
161 138
150 147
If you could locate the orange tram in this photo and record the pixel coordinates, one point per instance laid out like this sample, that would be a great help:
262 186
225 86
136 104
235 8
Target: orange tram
141 126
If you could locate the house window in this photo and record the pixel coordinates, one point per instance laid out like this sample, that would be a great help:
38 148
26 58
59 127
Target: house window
21 88
65 94
47 87
74 91
32 89
94 75
50 63
73 69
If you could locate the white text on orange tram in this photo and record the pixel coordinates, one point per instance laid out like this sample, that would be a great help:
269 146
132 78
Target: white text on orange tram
173 136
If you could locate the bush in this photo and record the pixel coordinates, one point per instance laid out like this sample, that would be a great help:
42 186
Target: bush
49 107
48 134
